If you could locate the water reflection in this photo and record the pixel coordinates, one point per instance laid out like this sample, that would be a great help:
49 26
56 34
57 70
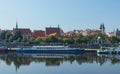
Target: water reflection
114 59
57 60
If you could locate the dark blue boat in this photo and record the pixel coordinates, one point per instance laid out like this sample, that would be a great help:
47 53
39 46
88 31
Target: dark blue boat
51 50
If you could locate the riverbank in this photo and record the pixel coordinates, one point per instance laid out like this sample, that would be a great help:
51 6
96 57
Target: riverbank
84 46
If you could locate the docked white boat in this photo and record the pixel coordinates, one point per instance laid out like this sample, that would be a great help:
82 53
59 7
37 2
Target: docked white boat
109 51
51 49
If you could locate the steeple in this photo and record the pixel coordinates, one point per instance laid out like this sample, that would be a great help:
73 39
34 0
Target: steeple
58 25
103 27
16 25
100 26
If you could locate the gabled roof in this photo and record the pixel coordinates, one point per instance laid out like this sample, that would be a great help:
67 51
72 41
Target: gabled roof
38 33
24 31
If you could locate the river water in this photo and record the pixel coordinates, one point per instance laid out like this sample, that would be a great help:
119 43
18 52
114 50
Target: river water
86 63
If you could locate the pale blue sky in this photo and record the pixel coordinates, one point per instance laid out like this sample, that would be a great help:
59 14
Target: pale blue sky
69 14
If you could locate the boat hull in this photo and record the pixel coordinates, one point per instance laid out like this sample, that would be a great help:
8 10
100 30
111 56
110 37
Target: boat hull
103 52
3 51
76 51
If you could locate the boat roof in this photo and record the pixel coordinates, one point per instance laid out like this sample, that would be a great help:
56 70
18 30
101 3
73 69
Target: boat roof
50 46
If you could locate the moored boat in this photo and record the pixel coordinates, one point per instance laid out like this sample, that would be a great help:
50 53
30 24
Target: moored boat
3 50
114 51
51 50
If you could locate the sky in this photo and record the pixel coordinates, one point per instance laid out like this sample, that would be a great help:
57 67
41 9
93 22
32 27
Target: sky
69 14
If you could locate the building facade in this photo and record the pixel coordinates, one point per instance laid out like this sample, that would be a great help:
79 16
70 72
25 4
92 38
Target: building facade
57 30
117 32
25 32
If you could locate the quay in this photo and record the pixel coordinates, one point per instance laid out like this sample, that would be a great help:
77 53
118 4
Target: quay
90 50
87 49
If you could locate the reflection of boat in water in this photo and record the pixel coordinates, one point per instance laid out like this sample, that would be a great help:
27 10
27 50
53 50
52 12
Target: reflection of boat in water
48 55
115 51
50 50
109 56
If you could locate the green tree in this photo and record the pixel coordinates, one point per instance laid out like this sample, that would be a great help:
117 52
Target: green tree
69 40
60 40
84 39
17 35
10 39
38 40
79 39
24 39
52 39
114 39
32 40
3 34
48 40
102 36
8 35
18 39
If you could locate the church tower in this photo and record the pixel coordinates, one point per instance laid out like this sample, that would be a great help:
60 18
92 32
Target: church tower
102 28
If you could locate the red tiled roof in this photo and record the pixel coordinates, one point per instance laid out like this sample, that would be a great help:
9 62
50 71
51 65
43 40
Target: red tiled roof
39 33
24 31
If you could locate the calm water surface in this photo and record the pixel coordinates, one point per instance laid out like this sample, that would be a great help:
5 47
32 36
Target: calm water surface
87 63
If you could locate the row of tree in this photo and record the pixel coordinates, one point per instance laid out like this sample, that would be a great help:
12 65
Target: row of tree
9 37
79 39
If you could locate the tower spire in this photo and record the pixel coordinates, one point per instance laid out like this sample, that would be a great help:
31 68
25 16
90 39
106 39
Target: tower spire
16 25
58 26
102 28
